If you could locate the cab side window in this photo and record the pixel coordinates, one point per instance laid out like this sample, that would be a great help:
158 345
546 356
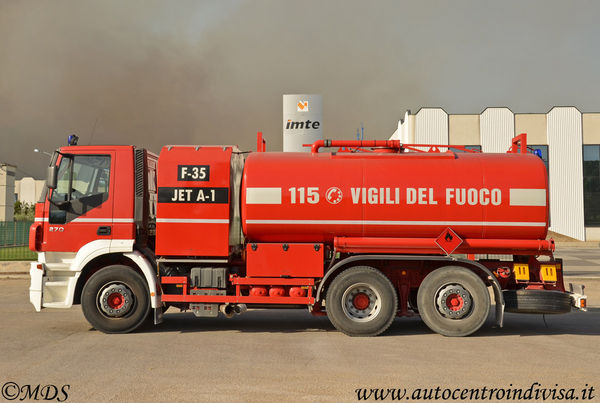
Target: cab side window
92 175
83 184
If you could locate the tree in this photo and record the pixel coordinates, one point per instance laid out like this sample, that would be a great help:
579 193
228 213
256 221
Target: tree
24 211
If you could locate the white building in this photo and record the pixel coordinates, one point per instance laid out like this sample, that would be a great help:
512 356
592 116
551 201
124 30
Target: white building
29 190
7 191
570 145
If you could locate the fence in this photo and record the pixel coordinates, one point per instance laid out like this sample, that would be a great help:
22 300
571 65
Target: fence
14 241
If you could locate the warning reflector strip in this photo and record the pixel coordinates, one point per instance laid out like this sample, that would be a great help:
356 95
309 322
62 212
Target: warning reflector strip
193 220
528 197
263 195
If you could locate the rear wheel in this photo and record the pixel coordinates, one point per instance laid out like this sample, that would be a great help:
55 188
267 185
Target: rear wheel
453 301
361 301
116 300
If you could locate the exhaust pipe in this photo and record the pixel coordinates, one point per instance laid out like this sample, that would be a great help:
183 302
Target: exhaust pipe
227 310
240 309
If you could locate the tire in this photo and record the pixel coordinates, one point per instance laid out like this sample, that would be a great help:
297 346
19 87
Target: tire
116 300
453 301
361 301
536 301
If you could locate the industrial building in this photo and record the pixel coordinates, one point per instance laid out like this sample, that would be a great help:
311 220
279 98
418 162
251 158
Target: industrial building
569 141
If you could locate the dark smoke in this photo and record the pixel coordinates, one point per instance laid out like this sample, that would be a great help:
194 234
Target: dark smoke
191 72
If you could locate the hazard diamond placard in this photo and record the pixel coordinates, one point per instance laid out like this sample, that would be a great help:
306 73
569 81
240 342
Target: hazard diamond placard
448 241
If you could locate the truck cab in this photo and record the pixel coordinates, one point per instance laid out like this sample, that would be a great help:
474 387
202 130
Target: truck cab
90 217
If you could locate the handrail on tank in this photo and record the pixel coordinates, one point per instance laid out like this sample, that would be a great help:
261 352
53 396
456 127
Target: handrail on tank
355 143
435 148
519 145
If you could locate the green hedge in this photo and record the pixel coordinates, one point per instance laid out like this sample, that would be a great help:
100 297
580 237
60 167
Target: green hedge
14 240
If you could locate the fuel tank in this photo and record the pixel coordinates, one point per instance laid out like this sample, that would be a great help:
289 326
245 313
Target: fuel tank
304 197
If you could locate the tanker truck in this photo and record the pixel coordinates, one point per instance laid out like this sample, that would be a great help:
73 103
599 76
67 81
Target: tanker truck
363 233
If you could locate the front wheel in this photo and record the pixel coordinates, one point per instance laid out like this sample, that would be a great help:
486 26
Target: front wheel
116 300
361 301
453 301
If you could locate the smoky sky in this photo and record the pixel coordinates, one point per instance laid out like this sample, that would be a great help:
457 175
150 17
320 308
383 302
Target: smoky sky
152 73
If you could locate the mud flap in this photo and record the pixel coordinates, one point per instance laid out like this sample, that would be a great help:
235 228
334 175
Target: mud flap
158 315
499 300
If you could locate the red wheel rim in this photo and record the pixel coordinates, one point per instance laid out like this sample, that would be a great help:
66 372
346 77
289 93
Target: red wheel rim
116 300
455 302
361 301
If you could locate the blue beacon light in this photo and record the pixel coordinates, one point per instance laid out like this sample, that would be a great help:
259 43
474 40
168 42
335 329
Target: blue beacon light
72 140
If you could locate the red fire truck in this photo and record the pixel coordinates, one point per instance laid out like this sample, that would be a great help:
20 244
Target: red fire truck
365 233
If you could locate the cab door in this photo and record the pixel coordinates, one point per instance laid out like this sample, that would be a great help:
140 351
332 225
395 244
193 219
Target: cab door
80 209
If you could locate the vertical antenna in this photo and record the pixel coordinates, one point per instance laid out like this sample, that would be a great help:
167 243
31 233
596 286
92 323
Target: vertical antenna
93 131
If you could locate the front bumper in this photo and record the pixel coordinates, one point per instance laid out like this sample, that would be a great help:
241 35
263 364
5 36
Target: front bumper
35 287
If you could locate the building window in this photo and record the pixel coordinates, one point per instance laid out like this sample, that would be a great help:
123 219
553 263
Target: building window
591 185
544 149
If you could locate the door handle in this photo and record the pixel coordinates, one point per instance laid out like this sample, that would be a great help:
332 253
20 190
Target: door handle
103 230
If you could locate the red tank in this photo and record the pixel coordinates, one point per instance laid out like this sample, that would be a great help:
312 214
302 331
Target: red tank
314 197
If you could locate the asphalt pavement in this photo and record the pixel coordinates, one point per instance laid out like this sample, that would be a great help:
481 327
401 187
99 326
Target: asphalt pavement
288 355
580 262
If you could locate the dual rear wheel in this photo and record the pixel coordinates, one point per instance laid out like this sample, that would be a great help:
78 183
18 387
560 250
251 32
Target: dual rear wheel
361 301
452 301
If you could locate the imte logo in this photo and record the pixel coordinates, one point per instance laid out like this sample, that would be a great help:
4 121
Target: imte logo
308 124
302 106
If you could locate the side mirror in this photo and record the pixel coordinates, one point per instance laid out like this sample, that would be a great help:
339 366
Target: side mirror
52 177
